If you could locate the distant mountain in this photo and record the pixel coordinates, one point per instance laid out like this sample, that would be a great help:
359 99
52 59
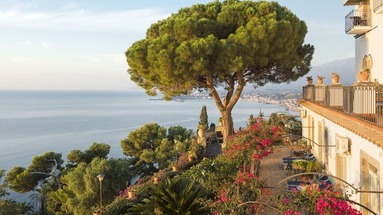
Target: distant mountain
345 68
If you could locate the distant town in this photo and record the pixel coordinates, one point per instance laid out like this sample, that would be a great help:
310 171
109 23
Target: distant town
287 98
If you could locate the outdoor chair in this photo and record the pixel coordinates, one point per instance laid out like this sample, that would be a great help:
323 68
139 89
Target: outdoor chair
290 159
324 182
297 185
294 185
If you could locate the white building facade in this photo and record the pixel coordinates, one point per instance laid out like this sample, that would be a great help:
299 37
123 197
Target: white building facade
345 123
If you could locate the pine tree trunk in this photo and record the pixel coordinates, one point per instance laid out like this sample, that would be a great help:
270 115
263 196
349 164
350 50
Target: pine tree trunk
226 105
227 122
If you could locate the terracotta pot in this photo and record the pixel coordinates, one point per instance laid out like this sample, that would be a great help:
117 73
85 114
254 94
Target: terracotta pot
175 169
310 82
320 82
131 194
364 75
335 79
156 180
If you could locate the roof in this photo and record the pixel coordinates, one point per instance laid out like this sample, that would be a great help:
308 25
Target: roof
359 127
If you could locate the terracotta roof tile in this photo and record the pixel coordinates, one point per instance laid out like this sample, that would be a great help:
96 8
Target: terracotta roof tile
362 128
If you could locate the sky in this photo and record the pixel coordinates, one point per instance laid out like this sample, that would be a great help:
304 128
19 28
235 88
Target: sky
80 44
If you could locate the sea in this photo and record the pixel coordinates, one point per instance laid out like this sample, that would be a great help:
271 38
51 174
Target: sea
34 122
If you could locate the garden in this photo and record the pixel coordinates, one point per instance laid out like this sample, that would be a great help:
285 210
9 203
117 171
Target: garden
261 170
233 181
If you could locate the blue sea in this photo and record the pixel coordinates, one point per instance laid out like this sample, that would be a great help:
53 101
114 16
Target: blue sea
34 122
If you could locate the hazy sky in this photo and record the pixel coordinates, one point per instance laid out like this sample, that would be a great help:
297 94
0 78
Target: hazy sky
80 44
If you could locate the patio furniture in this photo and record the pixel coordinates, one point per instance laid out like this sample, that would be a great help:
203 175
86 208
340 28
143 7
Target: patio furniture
324 182
297 185
290 159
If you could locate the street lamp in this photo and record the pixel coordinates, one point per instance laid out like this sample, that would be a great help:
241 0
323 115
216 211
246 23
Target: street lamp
100 179
175 143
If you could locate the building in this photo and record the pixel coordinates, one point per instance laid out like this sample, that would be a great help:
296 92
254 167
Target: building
345 123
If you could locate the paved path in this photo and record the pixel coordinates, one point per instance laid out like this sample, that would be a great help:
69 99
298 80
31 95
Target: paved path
271 173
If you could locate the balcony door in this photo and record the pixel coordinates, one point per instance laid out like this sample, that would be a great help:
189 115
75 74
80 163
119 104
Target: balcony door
370 182
341 167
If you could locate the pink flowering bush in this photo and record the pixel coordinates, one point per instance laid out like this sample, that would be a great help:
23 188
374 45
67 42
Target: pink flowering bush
243 150
332 205
291 212
252 143
312 200
246 187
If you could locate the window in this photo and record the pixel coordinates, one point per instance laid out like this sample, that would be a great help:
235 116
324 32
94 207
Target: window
326 149
370 182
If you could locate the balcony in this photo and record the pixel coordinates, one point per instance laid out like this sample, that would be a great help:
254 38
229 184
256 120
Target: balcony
364 102
378 6
358 21
351 2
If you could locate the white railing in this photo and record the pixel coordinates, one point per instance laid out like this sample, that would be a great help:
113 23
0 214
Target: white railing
364 102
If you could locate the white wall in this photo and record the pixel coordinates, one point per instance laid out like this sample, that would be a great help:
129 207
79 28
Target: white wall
358 144
371 43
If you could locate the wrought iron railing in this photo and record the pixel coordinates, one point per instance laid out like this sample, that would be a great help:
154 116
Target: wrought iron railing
364 102
358 17
377 4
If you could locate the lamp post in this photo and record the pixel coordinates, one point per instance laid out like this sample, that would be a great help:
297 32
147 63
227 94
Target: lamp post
100 179
175 143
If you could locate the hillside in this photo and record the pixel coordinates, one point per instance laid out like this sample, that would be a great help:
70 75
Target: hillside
344 67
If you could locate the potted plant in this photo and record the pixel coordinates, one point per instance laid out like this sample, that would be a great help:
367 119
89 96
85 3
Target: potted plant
300 165
156 178
162 174
309 80
192 155
174 166
96 210
335 78
364 75
131 192
320 80
313 166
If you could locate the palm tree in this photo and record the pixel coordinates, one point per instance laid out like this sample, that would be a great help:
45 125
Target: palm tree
3 187
8 206
39 197
178 196
24 208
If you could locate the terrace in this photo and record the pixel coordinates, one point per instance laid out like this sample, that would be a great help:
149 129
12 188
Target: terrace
280 180
364 102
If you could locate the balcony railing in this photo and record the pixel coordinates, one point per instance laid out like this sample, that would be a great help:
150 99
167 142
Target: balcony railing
364 102
358 21
378 6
